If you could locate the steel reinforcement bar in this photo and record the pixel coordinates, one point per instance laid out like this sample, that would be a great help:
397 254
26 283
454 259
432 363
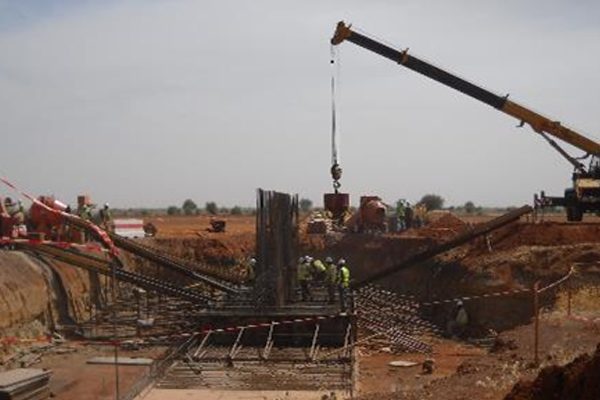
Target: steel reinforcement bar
170 262
153 255
102 266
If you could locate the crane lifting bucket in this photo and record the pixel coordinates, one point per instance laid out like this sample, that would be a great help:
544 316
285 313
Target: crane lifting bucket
336 203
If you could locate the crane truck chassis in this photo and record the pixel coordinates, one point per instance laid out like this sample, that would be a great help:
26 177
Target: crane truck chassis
582 197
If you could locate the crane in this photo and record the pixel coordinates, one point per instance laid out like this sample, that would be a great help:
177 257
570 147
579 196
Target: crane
583 196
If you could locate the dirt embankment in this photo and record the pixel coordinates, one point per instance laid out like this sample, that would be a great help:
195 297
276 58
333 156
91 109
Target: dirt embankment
212 249
40 291
578 380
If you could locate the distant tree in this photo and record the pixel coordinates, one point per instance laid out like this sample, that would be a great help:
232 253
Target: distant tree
470 207
211 208
173 210
305 205
432 201
237 210
189 207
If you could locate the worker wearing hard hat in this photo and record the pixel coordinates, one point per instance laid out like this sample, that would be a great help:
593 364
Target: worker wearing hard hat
17 214
250 273
10 206
106 217
318 270
459 320
401 214
15 210
304 277
85 213
330 279
343 281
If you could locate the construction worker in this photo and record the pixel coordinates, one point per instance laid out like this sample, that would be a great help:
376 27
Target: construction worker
343 282
409 216
85 212
458 320
318 270
330 279
250 274
10 206
400 214
17 214
106 217
304 278
16 211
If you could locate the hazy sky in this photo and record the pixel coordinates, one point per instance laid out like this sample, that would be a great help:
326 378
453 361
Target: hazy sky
146 103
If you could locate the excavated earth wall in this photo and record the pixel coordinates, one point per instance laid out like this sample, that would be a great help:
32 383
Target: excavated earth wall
511 258
42 293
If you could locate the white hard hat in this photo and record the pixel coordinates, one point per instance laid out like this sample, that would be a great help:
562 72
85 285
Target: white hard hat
106 205
341 261
301 259
329 260
253 261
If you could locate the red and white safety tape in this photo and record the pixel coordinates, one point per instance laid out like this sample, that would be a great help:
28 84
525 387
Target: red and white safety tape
558 282
265 324
501 293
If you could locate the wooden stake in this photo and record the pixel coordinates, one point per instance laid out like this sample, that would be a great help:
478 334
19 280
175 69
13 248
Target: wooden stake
536 315
569 295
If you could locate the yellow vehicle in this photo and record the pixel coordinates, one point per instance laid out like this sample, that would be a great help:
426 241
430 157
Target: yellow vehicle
583 196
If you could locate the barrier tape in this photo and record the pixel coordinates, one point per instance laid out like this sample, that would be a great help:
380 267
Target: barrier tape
229 329
475 297
558 282
266 324
101 233
502 293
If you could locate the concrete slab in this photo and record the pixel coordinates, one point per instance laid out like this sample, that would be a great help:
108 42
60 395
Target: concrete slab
22 375
208 394
121 361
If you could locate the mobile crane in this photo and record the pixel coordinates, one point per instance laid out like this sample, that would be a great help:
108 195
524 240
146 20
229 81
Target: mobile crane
582 197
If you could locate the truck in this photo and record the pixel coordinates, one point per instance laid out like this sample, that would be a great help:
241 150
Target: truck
584 194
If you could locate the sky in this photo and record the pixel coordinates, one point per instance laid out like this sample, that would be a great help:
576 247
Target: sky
147 103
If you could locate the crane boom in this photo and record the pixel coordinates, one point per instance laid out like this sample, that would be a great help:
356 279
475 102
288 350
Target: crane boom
538 123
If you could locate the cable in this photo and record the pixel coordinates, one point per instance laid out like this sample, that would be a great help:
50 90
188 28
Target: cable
336 170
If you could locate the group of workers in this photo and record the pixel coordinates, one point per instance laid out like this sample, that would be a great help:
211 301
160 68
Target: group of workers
314 272
104 216
16 221
409 216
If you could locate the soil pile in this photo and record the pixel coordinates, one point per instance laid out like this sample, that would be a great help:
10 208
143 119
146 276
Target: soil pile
545 234
448 221
578 380
443 228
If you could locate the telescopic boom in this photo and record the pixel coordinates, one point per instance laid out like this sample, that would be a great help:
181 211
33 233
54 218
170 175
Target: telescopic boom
539 123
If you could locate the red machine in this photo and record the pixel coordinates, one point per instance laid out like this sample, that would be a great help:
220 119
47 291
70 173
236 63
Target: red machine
370 216
44 221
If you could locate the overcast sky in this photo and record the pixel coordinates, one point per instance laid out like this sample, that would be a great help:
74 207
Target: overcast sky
146 103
